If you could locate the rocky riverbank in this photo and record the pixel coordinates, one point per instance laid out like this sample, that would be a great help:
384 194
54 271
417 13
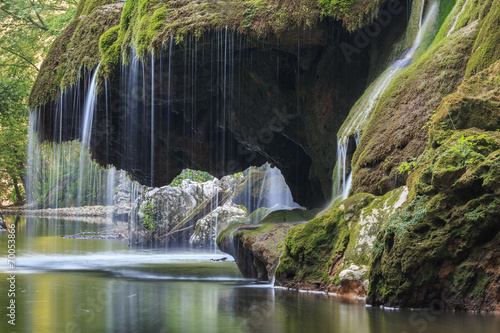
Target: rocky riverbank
87 212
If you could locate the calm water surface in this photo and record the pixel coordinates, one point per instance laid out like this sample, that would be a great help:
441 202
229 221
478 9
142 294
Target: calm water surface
85 285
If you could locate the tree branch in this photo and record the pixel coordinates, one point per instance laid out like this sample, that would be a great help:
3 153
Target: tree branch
20 56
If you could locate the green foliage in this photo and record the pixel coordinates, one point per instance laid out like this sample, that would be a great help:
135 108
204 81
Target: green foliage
27 29
331 7
149 215
407 167
194 175
13 133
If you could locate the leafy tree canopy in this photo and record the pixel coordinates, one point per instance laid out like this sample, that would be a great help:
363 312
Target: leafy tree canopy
27 27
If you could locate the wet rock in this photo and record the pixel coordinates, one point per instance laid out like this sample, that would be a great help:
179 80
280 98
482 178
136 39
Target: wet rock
208 227
256 249
170 214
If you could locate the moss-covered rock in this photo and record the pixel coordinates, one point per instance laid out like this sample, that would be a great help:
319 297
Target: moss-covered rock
444 244
476 103
333 251
76 49
313 251
396 132
487 46
364 227
256 248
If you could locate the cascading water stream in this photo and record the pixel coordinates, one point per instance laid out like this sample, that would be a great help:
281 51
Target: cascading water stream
421 15
88 117
361 115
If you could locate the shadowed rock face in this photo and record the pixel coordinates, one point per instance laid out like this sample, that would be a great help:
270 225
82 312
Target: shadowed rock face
224 102
221 104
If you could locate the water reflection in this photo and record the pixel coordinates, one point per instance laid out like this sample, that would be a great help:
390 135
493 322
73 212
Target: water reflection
119 290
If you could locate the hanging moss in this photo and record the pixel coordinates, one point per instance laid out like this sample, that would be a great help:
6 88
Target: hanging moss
84 45
77 47
85 7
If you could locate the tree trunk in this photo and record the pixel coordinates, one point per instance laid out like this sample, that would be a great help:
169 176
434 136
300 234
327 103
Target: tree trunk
19 197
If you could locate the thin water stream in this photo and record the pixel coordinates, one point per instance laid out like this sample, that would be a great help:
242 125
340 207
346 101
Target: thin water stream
91 285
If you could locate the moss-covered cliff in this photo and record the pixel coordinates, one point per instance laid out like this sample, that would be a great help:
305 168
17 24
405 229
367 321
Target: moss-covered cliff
444 244
396 132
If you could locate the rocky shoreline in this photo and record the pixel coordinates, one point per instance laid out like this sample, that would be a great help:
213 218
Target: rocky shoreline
87 211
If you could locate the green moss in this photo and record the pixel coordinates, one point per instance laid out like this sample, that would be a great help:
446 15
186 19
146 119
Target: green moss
77 47
487 46
443 235
480 287
226 232
110 50
396 127
84 44
87 6
314 248
478 93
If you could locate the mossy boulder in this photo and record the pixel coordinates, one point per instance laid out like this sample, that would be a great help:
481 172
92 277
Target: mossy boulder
333 251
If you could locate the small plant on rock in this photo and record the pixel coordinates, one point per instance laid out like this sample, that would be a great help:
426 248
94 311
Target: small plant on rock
149 216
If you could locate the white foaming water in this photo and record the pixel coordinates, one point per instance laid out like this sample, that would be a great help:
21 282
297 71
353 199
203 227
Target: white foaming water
108 260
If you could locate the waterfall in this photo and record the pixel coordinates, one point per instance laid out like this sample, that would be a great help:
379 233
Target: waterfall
361 113
344 177
88 117
421 15
62 173
152 116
